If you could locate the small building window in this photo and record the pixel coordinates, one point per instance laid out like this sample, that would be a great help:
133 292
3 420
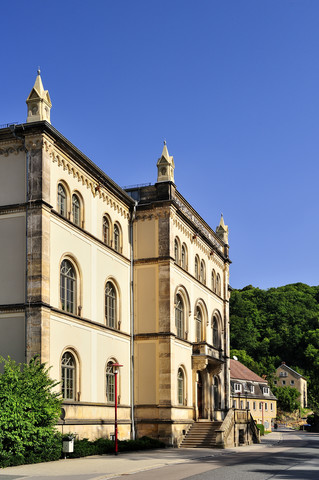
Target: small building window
198 325
184 257
196 268
284 382
271 406
260 405
266 390
215 333
218 285
110 305
110 383
252 388
180 387
292 382
68 375
237 387
68 287
266 406
176 251
254 405
106 231
202 272
242 404
116 237
62 200
179 316
214 281
248 405
234 403
76 210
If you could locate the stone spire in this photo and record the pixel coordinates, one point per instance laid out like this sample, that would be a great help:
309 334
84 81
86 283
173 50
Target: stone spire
38 102
222 230
165 166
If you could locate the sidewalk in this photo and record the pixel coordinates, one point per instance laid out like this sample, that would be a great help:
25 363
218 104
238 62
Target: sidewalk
110 466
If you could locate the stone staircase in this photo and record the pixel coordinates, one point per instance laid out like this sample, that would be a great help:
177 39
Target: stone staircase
202 434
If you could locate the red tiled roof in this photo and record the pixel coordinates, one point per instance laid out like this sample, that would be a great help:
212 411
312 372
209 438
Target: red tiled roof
240 372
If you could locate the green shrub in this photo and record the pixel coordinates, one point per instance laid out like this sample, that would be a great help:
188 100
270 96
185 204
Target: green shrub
102 446
29 410
261 428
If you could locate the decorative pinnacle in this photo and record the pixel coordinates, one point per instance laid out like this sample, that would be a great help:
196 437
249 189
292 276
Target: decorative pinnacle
164 142
39 71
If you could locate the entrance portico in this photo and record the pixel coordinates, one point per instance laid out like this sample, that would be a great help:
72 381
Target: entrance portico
206 367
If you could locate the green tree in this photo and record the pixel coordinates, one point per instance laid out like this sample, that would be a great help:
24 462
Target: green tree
29 410
287 398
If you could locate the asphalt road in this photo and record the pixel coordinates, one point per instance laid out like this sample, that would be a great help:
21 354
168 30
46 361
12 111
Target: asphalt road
287 455
294 458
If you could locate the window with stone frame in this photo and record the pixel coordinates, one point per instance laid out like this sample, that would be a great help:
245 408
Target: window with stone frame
180 387
106 230
198 325
197 267
62 200
179 316
68 376
116 238
110 383
215 333
68 287
76 210
184 257
110 305
202 272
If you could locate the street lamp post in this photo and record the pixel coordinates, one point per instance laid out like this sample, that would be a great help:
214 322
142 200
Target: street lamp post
115 367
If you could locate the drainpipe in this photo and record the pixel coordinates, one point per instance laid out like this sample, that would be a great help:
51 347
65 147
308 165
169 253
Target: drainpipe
132 323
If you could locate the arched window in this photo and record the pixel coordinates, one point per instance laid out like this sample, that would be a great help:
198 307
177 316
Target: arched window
62 200
106 231
198 325
116 237
68 376
215 333
180 387
68 287
110 383
76 210
184 257
216 394
202 272
110 305
176 251
179 316
196 267
218 285
214 281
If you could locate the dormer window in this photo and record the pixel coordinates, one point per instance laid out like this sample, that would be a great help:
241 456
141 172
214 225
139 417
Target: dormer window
237 387
266 390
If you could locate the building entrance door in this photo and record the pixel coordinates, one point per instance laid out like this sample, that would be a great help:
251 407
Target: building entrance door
200 395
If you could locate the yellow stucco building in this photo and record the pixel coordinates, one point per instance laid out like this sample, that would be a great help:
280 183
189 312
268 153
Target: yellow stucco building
94 275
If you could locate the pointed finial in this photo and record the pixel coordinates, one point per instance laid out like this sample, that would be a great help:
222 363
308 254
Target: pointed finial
164 142
39 71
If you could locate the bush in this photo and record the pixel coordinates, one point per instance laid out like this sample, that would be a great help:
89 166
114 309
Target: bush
261 428
102 446
28 413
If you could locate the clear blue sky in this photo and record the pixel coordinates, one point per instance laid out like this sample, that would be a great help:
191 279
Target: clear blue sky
233 86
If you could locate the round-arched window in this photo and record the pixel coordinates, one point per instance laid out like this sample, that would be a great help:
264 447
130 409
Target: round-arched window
110 305
68 287
68 376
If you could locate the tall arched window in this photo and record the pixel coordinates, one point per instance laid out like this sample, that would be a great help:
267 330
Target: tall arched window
106 231
179 316
76 210
184 257
202 272
116 237
198 325
176 250
196 267
218 285
110 305
216 394
215 333
62 200
180 387
214 281
110 383
68 376
68 287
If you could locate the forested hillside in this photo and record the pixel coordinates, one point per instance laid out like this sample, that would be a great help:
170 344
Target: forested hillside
279 324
